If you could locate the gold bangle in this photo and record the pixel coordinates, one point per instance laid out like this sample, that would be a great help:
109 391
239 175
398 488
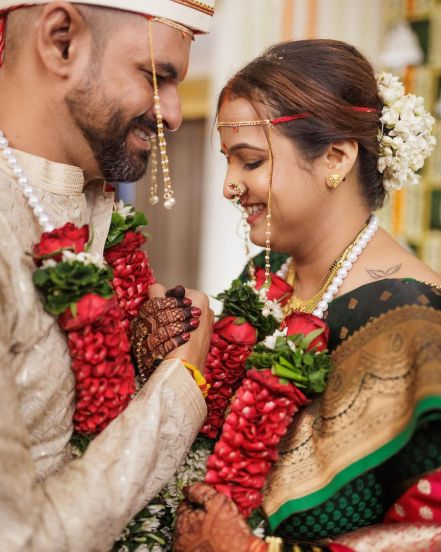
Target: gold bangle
275 544
198 377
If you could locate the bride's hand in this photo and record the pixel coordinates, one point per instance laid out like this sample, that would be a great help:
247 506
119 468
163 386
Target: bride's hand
163 324
210 522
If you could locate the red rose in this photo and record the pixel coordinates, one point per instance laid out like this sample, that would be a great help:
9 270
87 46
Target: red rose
304 323
131 242
90 308
279 289
231 330
68 236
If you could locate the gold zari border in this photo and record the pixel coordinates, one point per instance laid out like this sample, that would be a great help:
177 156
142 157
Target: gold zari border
380 374
199 6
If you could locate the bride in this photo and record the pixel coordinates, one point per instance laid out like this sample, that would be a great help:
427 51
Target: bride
314 141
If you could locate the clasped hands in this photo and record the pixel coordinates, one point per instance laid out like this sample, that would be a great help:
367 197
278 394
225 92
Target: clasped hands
163 328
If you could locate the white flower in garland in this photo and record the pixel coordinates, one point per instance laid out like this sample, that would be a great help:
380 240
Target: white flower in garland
49 263
85 258
124 209
272 308
405 138
270 340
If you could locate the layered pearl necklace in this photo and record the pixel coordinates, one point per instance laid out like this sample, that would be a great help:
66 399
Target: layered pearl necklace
354 252
24 185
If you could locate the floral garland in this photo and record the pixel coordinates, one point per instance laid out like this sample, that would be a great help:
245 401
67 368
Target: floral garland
281 372
262 370
261 374
233 339
94 305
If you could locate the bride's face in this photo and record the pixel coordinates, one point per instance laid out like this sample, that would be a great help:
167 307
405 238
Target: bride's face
298 191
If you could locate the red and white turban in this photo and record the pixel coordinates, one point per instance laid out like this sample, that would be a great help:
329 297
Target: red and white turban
194 15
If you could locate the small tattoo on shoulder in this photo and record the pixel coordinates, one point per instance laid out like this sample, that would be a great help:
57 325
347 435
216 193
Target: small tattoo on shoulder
379 274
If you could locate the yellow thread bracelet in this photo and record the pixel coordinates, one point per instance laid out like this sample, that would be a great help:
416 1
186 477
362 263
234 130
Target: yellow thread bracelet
198 377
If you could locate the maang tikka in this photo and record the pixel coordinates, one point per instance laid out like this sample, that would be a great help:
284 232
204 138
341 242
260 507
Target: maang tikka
169 200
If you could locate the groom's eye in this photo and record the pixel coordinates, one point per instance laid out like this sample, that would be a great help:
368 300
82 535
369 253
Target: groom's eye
160 79
253 165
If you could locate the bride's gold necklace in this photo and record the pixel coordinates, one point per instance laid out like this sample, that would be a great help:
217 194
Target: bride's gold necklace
297 304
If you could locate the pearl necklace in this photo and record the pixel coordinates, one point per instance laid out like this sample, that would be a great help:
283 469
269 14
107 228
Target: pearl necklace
356 250
24 185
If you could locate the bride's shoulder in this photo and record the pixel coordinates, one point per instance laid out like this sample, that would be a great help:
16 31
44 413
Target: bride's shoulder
408 264
385 258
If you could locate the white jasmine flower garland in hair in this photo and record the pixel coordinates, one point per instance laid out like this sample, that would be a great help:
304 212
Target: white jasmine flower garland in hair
405 137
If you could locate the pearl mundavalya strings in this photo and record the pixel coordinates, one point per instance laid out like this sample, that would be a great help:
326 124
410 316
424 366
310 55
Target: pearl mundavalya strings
24 184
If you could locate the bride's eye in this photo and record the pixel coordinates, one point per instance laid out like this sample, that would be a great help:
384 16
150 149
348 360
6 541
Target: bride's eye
251 166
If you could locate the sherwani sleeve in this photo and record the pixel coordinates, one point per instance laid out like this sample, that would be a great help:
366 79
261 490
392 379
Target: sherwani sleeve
85 505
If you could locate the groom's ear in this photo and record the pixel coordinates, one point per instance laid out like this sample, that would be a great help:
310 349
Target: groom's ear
63 39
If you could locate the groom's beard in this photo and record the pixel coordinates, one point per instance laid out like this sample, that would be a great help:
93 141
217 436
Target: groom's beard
107 131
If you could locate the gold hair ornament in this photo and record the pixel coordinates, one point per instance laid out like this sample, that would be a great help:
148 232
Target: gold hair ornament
169 200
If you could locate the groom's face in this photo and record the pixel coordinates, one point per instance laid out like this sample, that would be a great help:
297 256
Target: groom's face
112 104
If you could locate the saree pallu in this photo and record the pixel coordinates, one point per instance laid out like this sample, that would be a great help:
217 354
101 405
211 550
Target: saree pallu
351 453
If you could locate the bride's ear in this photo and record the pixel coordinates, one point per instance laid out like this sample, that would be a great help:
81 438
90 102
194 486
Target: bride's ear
341 156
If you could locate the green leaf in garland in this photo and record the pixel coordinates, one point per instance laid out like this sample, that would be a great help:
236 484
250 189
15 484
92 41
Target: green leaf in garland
67 282
242 301
291 360
119 225
308 339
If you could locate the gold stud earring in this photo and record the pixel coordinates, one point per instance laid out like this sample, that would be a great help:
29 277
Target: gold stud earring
334 180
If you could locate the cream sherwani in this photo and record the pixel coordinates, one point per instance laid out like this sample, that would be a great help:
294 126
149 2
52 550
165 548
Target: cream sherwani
49 502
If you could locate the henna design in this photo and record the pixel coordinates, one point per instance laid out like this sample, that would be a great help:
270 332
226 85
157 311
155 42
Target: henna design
380 274
162 326
157 304
171 344
210 522
165 333
175 315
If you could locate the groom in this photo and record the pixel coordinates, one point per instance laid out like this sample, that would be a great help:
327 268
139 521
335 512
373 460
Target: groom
77 109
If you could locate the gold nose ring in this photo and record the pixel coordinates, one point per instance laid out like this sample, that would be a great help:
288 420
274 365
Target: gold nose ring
236 187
